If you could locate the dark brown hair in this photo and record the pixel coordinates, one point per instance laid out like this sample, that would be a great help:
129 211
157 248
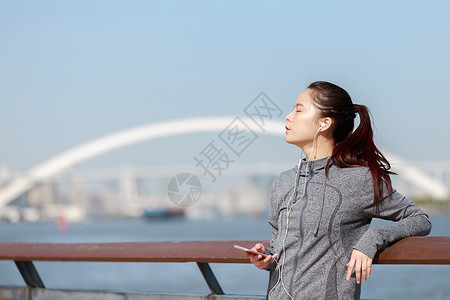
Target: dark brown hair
352 148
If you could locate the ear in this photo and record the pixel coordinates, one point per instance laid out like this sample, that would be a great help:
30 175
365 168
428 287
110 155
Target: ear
325 123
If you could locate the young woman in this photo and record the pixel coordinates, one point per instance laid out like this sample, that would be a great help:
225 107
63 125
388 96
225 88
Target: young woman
320 211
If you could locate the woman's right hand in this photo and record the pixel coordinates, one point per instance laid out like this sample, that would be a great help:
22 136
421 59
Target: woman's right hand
259 260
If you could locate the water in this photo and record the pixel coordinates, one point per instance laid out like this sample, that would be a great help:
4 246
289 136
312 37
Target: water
386 282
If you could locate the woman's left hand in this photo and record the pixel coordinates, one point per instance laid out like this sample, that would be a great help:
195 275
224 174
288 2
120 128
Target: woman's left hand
362 264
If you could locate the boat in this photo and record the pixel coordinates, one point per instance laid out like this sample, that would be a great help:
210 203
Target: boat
163 213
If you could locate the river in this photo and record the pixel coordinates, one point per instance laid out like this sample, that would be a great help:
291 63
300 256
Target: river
386 282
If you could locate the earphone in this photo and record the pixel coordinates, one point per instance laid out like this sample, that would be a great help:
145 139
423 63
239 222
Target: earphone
314 140
288 211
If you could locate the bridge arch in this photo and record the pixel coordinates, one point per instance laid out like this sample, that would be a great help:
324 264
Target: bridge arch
72 157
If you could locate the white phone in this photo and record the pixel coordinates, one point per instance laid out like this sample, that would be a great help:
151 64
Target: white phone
250 251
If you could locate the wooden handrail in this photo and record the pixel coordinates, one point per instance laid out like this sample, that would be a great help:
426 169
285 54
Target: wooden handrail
411 250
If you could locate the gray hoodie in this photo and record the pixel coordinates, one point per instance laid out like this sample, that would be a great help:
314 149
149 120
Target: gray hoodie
326 221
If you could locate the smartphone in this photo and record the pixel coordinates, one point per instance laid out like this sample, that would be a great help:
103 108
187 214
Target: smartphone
250 251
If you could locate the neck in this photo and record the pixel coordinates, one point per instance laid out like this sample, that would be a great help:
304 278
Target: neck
322 149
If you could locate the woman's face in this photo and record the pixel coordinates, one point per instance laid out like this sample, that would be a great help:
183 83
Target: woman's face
302 122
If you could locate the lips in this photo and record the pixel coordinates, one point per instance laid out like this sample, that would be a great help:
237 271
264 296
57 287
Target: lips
286 128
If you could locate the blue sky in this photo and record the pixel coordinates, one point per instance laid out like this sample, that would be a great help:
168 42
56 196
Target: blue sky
72 71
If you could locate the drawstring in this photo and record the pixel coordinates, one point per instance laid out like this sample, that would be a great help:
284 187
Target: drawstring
322 206
309 170
324 187
297 180
281 262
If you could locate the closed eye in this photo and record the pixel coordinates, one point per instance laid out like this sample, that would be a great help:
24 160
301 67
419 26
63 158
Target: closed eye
298 106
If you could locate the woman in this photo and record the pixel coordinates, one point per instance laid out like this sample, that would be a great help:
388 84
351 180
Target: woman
320 211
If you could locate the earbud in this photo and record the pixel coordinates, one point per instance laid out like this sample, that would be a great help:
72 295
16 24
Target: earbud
314 140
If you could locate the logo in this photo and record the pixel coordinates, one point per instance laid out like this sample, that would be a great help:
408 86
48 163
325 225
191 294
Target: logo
184 189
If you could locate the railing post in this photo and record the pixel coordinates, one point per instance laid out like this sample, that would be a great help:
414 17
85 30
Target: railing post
210 278
30 274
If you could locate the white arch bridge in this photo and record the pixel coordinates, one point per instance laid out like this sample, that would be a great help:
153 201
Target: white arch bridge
47 170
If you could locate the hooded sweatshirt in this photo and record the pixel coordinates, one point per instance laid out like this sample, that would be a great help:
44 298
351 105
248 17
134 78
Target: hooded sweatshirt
327 219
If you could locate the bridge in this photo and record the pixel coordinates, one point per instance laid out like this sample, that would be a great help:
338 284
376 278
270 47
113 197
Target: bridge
22 183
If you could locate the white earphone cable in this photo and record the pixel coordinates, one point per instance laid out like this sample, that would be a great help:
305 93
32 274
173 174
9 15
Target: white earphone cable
288 211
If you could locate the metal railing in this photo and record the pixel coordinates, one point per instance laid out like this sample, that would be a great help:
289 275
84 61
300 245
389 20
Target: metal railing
411 250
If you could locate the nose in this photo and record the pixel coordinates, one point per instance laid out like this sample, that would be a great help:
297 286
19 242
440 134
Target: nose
288 116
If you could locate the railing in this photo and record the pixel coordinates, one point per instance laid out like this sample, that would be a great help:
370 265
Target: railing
412 250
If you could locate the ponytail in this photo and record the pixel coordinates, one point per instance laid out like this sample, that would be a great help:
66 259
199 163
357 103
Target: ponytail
352 149
358 149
